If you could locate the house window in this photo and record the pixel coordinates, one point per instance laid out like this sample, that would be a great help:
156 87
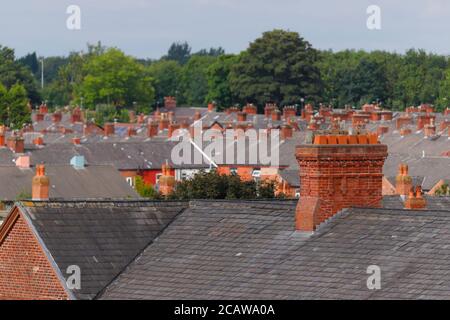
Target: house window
233 171
159 175
130 181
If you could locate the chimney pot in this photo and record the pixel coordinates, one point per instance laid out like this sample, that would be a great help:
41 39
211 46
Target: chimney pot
40 185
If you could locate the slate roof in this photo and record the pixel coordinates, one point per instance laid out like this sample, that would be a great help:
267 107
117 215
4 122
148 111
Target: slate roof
151 154
99 237
249 250
66 182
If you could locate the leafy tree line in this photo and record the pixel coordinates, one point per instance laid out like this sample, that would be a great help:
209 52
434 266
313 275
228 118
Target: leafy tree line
280 66
212 185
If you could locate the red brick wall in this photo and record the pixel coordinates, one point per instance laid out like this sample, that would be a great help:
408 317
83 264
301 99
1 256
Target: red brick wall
25 272
340 177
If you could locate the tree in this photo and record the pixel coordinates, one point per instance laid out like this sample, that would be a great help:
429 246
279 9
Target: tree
167 76
280 67
218 74
179 52
30 61
144 190
115 78
212 52
194 80
14 111
12 72
212 185
443 190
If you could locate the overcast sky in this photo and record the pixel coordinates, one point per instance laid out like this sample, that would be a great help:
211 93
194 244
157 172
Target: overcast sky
146 28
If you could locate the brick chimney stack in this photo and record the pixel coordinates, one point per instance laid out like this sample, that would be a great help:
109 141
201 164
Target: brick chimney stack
211 107
166 181
109 129
170 103
276 115
337 172
430 129
152 129
40 185
2 136
241 116
403 181
16 144
415 199
286 132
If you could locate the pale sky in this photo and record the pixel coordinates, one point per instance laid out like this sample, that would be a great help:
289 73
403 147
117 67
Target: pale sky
146 28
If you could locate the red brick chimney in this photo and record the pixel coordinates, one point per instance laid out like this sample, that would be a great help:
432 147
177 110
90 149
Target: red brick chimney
430 129
337 172
289 112
109 129
241 116
39 117
43 109
415 200
131 131
268 109
152 129
56 117
76 141
211 107
382 130
39 141
402 121
286 132
405 131
2 138
166 181
197 116
170 102
76 115
403 181
40 184
276 115
16 144
250 109
172 128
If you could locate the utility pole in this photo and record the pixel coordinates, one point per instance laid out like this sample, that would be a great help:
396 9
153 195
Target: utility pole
42 73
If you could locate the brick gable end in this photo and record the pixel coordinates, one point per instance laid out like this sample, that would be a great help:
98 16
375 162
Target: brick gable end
25 272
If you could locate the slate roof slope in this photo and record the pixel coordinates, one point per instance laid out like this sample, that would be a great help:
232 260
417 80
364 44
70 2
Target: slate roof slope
99 237
66 182
249 250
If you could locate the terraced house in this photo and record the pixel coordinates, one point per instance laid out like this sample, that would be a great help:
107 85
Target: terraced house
318 247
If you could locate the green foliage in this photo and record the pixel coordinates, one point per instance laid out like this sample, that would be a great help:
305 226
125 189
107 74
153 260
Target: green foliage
179 52
109 113
194 81
167 76
112 77
13 72
30 61
279 67
219 89
145 190
211 185
444 190
14 111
